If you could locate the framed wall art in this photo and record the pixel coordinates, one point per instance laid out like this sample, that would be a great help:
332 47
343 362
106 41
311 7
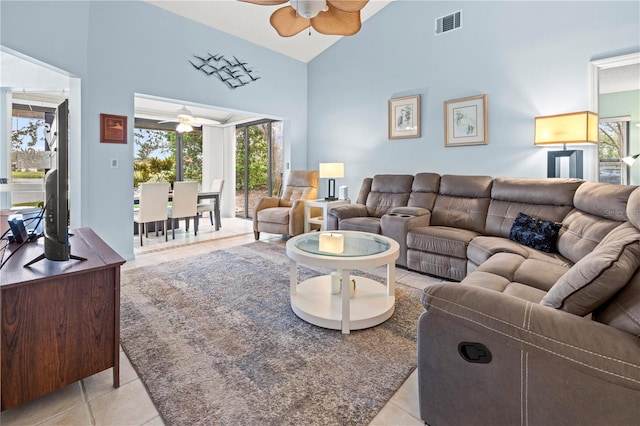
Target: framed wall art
404 117
465 121
113 128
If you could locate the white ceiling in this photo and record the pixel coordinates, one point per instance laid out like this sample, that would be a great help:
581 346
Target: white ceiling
619 79
251 22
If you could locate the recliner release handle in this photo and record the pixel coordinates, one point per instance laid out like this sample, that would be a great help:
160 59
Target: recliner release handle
474 352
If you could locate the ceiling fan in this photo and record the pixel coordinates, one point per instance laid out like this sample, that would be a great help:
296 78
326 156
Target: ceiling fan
186 120
332 17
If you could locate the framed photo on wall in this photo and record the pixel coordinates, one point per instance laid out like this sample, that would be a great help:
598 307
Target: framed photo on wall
404 117
113 128
465 121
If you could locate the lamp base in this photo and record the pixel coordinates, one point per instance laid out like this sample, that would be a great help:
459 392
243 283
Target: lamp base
330 198
575 163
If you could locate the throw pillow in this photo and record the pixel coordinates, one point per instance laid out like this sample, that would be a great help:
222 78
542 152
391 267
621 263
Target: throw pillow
595 278
535 233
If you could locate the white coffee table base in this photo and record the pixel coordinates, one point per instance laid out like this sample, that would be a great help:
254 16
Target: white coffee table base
370 306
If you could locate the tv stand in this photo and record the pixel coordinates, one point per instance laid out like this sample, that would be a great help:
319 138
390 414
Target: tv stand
60 321
42 256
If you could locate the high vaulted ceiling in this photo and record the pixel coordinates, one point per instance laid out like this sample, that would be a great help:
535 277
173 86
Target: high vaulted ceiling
251 22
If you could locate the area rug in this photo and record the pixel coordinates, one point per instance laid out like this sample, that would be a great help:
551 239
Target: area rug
215 341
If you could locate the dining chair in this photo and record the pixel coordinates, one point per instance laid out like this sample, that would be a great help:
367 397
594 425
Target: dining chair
210 206
184 205
152 208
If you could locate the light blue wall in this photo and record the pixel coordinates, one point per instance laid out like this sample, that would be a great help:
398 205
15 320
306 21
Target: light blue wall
530 58
625 104
119 48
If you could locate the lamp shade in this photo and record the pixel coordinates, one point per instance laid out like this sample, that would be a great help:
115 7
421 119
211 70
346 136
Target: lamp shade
576 127
331 170
631 159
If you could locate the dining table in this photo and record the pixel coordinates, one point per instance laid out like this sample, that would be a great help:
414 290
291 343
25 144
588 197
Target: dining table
205 195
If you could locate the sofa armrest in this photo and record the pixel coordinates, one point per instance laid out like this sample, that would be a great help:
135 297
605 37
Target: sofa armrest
296 218
397 225
547 365
264 203
345 211
595 348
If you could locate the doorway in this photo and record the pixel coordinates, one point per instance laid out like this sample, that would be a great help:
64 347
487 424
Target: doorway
259 163
615 93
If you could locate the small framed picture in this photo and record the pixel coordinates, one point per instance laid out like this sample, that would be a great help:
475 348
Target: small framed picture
113 128
404 117
465 121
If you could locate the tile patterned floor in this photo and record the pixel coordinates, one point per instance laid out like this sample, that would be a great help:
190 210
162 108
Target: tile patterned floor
94 401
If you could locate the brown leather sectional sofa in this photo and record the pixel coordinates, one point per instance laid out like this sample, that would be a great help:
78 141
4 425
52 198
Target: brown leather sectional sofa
528 336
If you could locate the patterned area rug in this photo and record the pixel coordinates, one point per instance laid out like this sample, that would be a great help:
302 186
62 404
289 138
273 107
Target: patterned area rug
215 341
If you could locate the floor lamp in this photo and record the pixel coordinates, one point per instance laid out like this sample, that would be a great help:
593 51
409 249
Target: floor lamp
572 128
631 159
331 171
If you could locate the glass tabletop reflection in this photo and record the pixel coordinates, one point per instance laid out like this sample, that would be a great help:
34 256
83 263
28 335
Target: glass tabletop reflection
342 244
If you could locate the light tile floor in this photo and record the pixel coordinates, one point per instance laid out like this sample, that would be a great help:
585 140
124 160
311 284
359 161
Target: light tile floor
94 401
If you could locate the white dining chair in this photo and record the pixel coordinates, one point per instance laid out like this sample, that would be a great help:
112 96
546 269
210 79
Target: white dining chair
152 208
210 206
184 205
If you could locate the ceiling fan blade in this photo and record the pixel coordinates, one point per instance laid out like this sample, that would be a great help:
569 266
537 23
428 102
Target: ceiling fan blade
348 5
287 22
265 2
337 22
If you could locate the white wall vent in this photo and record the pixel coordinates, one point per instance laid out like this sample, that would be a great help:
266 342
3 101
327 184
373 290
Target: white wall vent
451 22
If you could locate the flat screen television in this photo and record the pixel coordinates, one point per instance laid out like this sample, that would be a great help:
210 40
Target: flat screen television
56 217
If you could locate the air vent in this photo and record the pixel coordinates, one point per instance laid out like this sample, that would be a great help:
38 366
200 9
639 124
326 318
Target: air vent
448 23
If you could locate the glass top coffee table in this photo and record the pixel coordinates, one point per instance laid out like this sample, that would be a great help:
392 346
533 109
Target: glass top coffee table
342 251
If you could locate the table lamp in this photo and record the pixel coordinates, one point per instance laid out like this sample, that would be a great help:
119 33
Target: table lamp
572 128
331 171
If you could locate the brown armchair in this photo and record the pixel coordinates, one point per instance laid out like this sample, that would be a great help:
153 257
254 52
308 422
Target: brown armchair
285 215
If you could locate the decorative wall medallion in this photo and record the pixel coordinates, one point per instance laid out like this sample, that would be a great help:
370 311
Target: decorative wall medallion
233 72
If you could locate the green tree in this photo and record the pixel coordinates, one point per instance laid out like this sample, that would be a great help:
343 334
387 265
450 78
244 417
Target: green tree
191 154
148 141
610 140
23 155
257 157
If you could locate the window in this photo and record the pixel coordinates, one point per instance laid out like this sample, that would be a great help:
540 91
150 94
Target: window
164 155
30 153
613 143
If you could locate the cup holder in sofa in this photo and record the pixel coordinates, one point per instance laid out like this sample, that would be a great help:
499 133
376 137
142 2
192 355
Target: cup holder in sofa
400 215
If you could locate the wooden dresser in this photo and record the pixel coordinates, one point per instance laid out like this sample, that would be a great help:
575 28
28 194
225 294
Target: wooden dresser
60 320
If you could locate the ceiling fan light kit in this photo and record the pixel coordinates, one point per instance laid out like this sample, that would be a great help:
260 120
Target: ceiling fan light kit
309 8
330 17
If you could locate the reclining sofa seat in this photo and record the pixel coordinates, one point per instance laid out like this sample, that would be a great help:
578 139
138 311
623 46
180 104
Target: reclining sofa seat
547 366
378 197
545 199
285 215
459 215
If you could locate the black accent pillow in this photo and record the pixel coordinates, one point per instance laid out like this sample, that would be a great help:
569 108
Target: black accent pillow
535 233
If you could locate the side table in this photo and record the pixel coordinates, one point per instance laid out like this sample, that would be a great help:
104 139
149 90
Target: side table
324 205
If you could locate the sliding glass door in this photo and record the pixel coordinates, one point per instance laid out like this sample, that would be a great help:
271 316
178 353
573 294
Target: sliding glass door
259 164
